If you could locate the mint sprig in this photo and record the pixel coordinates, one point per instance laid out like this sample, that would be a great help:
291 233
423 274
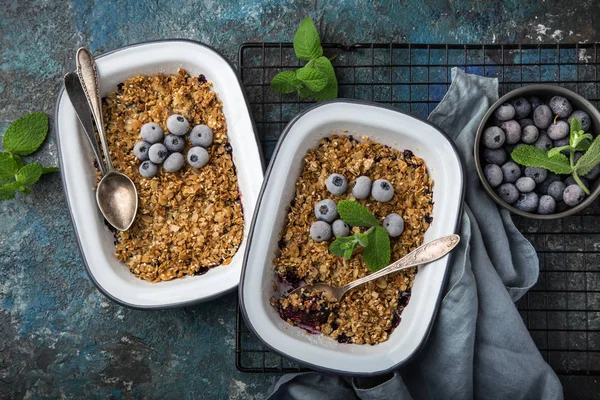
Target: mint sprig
555 161
317 78
23 137
375 241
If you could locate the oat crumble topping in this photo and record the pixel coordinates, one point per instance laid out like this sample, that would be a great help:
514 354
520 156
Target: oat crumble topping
187 221
369 313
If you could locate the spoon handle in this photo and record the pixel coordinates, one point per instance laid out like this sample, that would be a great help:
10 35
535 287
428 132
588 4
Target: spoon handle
88 76
423 254
80 104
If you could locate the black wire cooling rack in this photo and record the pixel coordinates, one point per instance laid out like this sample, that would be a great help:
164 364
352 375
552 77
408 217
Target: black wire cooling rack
562 311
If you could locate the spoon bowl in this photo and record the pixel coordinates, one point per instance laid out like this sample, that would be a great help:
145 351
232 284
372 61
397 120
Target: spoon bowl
116 194
117 199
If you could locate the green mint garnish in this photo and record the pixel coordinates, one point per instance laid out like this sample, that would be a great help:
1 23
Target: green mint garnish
555 161
590 158
377 254
317 78
354 214
286 82
375 241
531 156
23 137
307 43
314 79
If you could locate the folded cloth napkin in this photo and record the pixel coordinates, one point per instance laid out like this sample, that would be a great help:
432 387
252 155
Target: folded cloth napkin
479 346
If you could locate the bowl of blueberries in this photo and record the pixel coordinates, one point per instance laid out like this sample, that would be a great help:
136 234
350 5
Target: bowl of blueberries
537 152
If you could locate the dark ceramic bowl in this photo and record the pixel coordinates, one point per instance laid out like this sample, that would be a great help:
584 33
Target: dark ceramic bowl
543 92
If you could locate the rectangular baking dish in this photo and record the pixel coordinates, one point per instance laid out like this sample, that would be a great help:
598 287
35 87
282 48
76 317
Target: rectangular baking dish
79 175
384 125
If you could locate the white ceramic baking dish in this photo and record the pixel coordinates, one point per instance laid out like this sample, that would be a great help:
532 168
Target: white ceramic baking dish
79 175
384 125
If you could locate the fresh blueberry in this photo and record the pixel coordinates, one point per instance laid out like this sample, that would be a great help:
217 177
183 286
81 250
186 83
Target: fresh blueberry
544 142
493 174
174 162
340 228
594 172
558 130
201 135
178 125
508 193
547 205
573 195
525 184
148 169
511 171
537 174
505 112
583 117
394 225
140 150
362 187
157 153
320 231
535 102
497 156
527 202
551 178
382 190
174 143
336 184
512 129
530 134
571 181
326 210
525 122
556 190
522 107
560 106
493 137
152 132
197 157
542 116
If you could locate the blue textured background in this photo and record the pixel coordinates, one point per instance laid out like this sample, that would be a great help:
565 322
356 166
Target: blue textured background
59 335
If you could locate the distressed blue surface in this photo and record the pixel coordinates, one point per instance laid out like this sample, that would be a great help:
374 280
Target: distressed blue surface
60 336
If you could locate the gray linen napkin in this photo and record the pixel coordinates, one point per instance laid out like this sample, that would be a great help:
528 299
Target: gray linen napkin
478 346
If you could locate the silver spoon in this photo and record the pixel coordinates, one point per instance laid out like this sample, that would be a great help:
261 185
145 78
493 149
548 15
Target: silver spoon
80 104
421 255
116 194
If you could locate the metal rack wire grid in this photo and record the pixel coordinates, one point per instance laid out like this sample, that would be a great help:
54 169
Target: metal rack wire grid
562 311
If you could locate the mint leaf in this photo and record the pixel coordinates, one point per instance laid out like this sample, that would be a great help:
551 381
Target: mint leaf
304 93
307 44
531 156
25 135
18 160
8 167
336 247
47 170
558 150
348 254
377 254
355 214
285 82
29 174
314 79
8 191
575 127
589 159
331 90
